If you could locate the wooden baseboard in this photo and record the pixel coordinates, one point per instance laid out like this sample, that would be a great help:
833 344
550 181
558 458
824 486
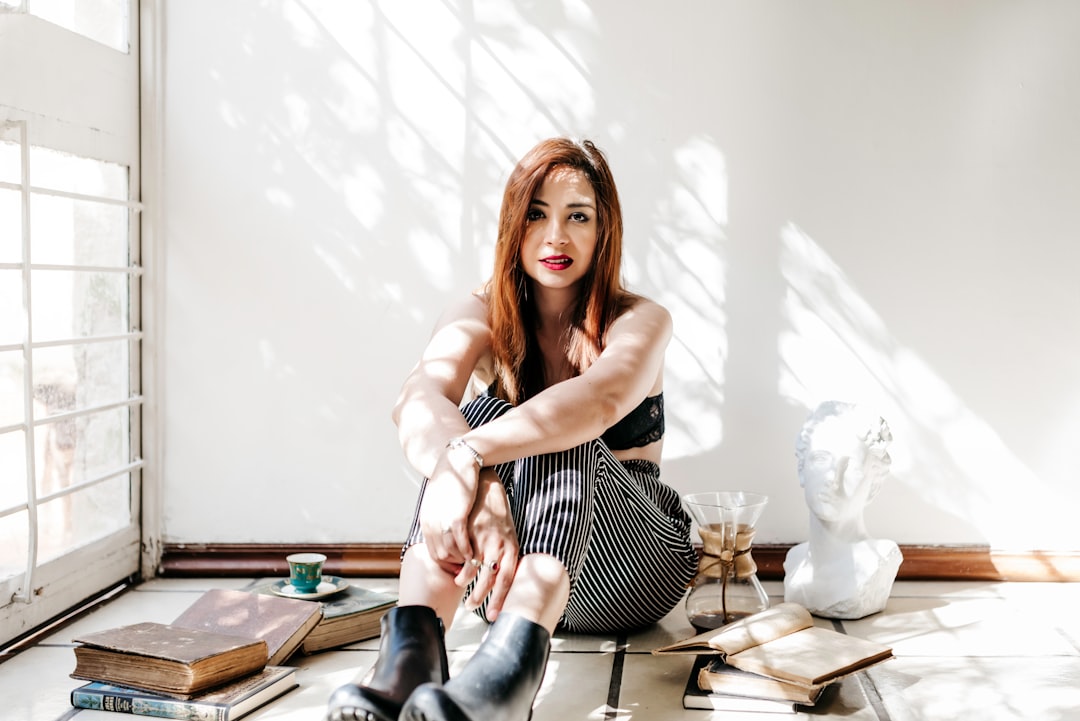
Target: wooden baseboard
940 563
954 563
268 559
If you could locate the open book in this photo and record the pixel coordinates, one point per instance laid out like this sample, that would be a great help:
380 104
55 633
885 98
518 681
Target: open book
782 642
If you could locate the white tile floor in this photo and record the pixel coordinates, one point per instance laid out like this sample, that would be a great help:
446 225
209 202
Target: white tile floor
964 650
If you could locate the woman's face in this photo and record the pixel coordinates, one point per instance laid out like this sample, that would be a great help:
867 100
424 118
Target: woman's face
560 232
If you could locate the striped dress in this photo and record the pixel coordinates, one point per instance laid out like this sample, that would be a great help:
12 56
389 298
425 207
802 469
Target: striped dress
621 533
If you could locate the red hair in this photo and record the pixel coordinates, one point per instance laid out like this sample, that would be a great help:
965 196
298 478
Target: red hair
518 364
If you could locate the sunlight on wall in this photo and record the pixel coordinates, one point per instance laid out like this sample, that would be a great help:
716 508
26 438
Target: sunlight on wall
836 347
685 263
509 49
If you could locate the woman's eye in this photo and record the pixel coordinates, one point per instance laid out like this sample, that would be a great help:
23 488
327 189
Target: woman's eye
533 214
579 217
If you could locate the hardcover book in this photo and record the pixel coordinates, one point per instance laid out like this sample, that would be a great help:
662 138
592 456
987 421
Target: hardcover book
695 697
282 622
227 703
783 643
350 616
712 675
166 659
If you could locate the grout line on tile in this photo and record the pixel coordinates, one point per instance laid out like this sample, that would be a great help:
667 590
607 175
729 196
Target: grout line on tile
873 697
615 686
866 683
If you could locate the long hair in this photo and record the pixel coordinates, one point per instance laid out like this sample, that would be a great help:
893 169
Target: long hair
511 314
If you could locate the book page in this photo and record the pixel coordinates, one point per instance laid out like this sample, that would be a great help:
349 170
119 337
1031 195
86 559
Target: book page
780 620
811 656
770 624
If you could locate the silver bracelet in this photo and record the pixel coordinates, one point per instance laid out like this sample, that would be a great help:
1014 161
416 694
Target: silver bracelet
461 443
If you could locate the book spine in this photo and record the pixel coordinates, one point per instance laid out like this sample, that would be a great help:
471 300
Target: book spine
160 708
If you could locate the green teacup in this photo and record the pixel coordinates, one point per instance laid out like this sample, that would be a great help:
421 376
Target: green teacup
305 571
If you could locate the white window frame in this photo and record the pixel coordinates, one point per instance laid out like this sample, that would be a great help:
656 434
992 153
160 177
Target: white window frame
94 112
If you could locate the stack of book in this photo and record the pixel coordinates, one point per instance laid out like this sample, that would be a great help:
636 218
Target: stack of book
776 660
222 657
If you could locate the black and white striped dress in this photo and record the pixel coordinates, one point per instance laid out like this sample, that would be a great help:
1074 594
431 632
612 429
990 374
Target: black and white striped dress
621 533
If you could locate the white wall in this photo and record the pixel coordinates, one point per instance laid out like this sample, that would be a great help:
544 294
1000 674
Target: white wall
867 201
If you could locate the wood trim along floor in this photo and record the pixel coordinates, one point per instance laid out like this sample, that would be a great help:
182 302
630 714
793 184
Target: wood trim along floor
942 563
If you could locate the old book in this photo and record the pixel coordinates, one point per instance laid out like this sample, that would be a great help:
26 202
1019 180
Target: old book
783 643
228 703
695 697
714 676
282 622
348 617
166 659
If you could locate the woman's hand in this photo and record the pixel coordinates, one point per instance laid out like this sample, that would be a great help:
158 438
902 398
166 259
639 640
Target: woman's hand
492 528
448 502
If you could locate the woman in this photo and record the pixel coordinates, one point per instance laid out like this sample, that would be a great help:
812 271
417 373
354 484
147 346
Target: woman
543 504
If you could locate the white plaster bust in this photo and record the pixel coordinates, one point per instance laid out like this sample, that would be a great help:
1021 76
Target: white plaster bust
842 460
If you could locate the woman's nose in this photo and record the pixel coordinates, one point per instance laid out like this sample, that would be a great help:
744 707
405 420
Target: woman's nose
556 234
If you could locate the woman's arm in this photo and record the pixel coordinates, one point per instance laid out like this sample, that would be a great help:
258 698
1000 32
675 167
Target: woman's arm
582 408
426 412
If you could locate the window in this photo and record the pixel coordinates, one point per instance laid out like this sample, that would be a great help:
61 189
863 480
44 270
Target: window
70 406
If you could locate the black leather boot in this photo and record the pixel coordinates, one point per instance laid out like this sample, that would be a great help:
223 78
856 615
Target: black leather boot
499 683
412 651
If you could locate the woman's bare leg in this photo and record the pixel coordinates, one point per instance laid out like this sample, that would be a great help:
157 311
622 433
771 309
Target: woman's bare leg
424 583
540 590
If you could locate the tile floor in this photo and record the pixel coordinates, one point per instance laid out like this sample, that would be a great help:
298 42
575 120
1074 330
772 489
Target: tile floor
964 650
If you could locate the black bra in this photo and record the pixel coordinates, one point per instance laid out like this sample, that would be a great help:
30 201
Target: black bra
639 427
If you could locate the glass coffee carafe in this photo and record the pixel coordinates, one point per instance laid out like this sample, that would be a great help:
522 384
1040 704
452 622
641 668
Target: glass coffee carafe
727 587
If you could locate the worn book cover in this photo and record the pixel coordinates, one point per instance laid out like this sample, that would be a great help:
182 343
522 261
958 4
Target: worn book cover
782 642
228 703
695 697
166 659
350 616
282 622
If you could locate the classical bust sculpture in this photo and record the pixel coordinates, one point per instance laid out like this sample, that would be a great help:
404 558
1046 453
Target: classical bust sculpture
841 572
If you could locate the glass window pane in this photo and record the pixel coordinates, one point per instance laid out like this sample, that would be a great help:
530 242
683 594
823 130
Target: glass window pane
14 533
74 450
76 232
62 171
77 304
12 385
12 317
102 509
10 226
12 469
103 20
73 377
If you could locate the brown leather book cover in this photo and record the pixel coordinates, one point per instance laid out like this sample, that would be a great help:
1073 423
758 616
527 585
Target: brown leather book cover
168 659
283 623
